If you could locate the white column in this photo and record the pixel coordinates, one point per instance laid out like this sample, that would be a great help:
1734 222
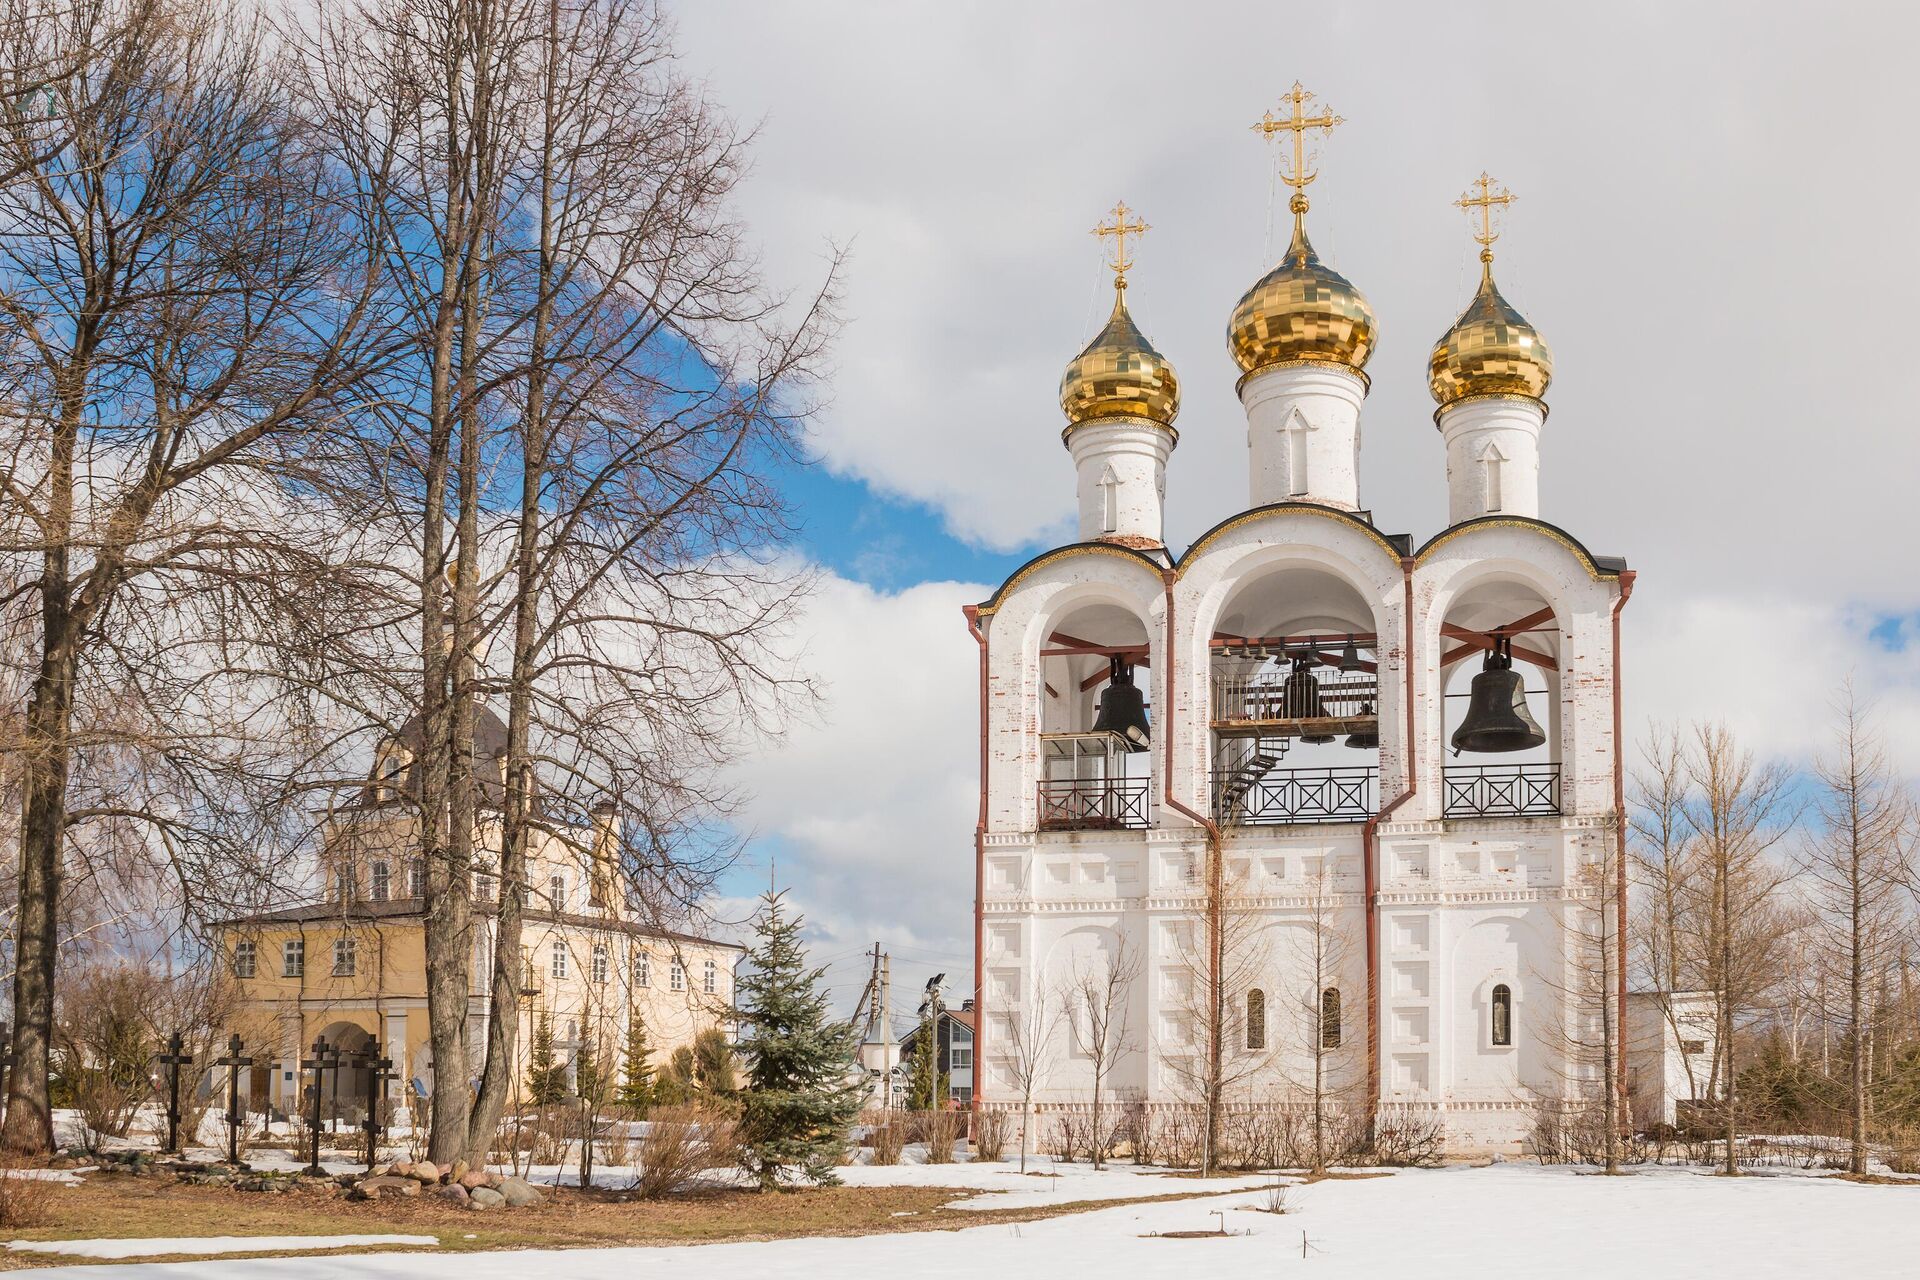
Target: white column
1303 434
1493 456
394 1041
1121 467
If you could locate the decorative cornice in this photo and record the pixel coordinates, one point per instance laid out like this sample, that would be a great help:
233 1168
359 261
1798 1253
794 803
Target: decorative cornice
991 605
1552 532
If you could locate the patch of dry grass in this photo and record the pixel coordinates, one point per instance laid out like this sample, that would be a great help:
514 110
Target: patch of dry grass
569 1218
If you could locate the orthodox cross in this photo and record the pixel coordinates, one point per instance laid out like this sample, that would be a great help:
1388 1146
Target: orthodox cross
1297 124
233 1062
173 1059
317 1064
1480 201
379 1071
1120 229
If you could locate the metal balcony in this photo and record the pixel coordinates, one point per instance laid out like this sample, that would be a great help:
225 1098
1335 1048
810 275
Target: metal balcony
1501 790
1093 804
1251 795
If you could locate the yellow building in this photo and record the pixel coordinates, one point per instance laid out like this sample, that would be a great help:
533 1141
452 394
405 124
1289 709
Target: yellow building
352 967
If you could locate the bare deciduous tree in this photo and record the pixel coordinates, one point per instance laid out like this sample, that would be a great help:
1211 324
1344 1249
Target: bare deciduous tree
1029 1030
1097 995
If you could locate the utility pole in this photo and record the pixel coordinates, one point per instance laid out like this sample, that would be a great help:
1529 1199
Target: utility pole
886 1029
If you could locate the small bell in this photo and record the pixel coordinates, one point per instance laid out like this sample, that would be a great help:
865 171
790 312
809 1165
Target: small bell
1497 718
1366 739
1123 707
1350 658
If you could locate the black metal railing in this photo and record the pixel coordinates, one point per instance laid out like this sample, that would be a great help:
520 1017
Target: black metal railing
1080 804
1501 790
1338 794
1261 697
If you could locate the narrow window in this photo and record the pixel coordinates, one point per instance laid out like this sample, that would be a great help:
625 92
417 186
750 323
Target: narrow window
1502 1015
557 892
559 963
245 957
677 976
1256 1019
381 881
343 957
1330 1018
416 878
293 958
343 884
482 887
599 962
529 981
643 969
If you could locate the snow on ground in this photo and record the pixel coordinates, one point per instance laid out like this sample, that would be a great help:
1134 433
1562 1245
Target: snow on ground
1044 1183
1445 1224
151 1247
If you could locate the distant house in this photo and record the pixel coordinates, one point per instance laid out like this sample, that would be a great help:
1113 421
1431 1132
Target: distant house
351 967
953 1052
1671 1053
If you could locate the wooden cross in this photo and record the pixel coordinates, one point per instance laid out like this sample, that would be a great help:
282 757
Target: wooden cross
1120 229
379 1071
173 1059
233 1062
1297 124
1482 205
322 1058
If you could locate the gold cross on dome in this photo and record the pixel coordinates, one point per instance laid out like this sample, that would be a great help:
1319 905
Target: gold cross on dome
1297 98
1120 229
1482 205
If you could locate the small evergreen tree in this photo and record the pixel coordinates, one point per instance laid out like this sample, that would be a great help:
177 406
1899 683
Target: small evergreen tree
801 1095
926 1085
587 1081
546 1078
713 1065
636 1074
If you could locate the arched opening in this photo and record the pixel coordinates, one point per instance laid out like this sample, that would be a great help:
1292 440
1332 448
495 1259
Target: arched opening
1330 1028
1256 1019
1501 1021
1096 720
343 1085
1295 700
1500 721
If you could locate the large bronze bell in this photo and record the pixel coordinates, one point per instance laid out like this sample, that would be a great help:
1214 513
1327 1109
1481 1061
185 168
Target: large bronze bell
1497 718
1300 695
1123 707
1366 739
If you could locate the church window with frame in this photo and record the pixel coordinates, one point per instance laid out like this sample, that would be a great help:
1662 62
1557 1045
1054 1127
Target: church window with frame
557 892
293 958
1330 1018
343 957
677 976
380 881
343 883
710 978
416 878
1256 1019
558 965
245 959
599 970
1502 1016
642 968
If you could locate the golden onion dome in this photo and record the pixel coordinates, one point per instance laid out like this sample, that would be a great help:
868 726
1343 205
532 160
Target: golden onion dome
1301 310
1119 375
1490 350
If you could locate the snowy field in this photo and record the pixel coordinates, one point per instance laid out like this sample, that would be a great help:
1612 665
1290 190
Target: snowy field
1505 1220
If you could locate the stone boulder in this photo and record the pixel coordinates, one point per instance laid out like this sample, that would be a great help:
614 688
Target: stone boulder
457 1170
424 1171
485 1198
474 1178
453 1192
385 1185
518 1192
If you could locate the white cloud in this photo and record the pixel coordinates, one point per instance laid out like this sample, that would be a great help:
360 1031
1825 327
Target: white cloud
1709 233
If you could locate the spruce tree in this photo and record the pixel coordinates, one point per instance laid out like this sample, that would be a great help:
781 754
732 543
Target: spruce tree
926 1085
546 1079
636 1074
801 1094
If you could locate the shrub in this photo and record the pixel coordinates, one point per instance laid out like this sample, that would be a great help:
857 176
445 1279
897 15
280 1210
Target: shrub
940 1129
25 1198
889 1140
682 1144
990 1129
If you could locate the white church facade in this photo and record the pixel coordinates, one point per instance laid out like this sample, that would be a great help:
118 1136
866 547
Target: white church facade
1232 771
